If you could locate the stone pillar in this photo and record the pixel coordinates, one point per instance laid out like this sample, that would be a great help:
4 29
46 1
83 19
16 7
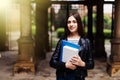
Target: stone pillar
25 62
99 36
41 37
90 20
113 64
2 29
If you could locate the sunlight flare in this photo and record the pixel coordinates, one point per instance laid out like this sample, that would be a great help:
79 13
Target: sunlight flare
4 3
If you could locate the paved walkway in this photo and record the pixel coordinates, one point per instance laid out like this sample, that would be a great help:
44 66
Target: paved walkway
44 72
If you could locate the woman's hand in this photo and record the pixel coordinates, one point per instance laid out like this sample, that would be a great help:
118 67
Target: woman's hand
76 60
69 65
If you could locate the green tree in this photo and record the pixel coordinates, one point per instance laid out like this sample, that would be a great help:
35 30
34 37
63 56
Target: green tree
107 22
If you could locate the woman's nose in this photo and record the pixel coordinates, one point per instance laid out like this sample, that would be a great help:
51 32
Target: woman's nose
71 23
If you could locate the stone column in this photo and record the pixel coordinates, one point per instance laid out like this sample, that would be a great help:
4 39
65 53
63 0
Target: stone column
90 20
113 65
25 62
2 29
41 37
99 36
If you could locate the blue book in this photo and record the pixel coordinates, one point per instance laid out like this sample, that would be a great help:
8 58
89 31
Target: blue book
68 50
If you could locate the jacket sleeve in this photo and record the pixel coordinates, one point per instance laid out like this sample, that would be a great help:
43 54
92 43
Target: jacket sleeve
55 58
89 56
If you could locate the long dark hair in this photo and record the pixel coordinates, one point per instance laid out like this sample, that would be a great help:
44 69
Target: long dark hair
81 31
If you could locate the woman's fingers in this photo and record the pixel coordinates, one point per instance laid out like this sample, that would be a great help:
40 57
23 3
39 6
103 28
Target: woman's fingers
70 65
76 60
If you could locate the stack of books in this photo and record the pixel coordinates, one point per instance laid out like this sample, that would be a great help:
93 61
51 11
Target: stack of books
68 50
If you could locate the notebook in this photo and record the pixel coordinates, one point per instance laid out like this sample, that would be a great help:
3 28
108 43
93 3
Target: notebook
68 50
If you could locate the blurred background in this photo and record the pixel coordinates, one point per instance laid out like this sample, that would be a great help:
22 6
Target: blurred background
35 26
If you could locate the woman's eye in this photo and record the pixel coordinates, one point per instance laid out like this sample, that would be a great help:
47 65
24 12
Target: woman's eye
69 22
74 21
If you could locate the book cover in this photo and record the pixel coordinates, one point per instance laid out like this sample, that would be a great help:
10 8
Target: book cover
68 50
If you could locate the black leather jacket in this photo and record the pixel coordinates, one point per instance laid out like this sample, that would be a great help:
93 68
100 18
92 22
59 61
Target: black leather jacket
84 53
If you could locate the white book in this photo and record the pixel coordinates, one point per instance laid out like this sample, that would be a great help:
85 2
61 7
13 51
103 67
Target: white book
68 53
68 50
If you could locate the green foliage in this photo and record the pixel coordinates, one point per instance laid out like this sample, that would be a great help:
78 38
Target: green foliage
33 30
107 25
107 33
85 20
60 32
107 22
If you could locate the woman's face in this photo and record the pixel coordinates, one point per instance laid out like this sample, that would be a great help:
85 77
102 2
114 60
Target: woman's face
72 24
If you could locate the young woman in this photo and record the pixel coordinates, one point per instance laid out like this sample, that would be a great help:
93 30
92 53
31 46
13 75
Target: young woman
76 67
